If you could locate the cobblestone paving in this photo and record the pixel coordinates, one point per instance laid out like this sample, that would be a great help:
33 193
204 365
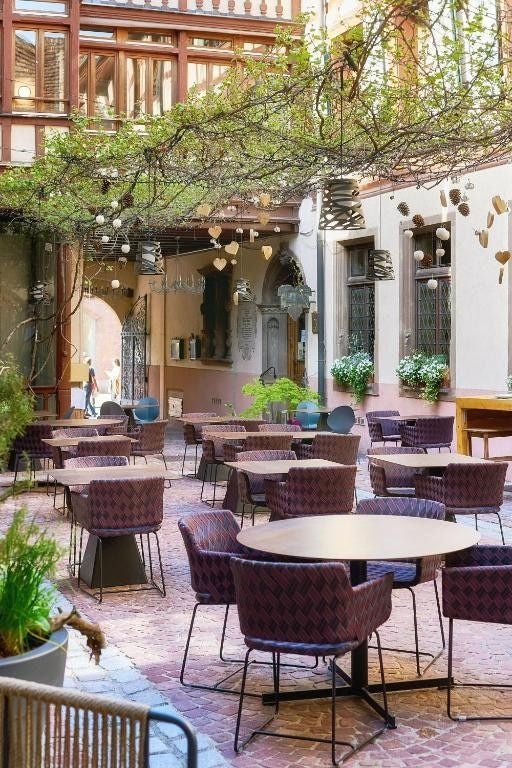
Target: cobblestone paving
146 635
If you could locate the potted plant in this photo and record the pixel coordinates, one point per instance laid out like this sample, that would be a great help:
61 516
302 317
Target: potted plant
427 373
282 390
354 371
33 640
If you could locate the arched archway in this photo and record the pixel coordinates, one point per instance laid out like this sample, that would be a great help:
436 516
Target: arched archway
96 332
283 338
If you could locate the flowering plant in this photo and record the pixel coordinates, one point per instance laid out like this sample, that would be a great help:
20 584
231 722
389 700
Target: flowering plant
425 372
354 371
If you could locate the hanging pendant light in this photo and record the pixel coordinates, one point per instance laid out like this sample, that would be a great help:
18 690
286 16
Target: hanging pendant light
295 299
380 266
149 258
341 206
243 291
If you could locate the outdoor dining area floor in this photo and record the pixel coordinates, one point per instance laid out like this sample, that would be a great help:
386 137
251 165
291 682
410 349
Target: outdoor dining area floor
146 635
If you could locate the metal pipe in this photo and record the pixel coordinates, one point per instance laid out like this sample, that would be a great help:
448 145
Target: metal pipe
320 303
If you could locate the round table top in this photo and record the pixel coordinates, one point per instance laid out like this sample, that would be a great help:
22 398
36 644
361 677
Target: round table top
358 537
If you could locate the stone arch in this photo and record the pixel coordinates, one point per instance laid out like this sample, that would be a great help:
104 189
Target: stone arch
96 331
283 268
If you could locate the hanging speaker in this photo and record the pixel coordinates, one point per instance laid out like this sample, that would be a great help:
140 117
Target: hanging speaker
380 266
341 206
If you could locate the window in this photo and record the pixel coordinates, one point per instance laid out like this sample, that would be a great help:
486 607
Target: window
97 85
155 38
361 300
40 78
150 86
432 300
204 76
97 34
47 7
211 42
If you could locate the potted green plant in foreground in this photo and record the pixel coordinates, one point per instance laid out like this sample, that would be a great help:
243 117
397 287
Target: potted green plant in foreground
428 373
282 390
33 639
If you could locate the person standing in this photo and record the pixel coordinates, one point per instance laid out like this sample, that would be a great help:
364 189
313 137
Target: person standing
90 388
115 379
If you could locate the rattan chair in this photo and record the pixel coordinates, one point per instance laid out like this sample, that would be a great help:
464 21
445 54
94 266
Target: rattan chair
308 609
333 447
30 445
408 574
383 431
251 488
150 441
312 491
113 508
467 489
477 584
63 721
114 445
213 456
193 435
436 432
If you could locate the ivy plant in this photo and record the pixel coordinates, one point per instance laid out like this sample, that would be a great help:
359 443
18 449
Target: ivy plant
423 372
354 371
16 407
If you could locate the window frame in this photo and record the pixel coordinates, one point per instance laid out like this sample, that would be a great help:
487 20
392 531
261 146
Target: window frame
149 60
91 54
356 282
39 97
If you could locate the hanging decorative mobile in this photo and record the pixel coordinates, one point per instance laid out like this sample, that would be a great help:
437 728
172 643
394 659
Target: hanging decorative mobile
181 283
432 284
242 290
295 299
149 260
341 206
379 264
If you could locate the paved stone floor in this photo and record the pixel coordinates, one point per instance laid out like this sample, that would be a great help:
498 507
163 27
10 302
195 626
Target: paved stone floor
146 635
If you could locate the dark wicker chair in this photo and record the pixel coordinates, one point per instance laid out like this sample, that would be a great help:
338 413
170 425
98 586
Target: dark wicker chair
267 427
150 440
332 446
112 508
30 445
307 609
251 488
210 542
81 462
193 435
115 445
408 574
391 479
312 491
120 428
213 456
467 489
477 584
383 431
60 455
428 433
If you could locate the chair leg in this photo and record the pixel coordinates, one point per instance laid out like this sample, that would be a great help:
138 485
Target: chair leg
501 527
450 671
415 622
184 457
439 614
163 590
195 462
100 550
241 703
163 457
80 556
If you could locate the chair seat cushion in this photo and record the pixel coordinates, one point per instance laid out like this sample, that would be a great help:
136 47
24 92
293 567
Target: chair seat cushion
391 437
107 533
403 573
301 649
400 491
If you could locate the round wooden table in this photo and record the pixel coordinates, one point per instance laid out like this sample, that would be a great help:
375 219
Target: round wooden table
359 538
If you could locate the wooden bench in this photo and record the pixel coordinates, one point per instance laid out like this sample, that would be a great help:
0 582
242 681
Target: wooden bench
486 434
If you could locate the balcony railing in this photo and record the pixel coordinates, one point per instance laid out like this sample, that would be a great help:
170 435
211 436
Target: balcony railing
271 9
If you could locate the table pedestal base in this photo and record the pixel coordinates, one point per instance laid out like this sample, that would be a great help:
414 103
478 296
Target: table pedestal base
122 564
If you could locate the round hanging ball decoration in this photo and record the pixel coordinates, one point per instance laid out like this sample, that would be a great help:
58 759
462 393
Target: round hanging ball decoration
442 234
122 260
100 219
234 261
277 229
115 283
432 283
114 204
440 252
239 231
105 238
408 233
117 223
418 255
125 248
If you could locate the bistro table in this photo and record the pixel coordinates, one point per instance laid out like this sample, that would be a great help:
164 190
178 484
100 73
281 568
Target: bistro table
359 538
122 563
407 418
425 461
237 436
66 442
67 423
44 415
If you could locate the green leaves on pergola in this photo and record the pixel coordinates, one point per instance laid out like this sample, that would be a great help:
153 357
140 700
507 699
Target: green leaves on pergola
411 92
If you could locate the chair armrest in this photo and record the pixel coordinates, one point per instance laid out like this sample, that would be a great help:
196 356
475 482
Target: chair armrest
80 508
429 487
480 593
371 605
230 451
378 479
483 554
302 450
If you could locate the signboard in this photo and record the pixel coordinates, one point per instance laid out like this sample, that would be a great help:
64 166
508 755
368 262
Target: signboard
246 329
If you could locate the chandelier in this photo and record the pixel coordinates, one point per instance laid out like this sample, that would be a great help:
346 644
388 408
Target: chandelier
294 299
181 283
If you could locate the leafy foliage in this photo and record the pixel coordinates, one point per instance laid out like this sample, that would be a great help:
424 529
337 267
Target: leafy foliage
16 407
354 371
282 390
425 372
